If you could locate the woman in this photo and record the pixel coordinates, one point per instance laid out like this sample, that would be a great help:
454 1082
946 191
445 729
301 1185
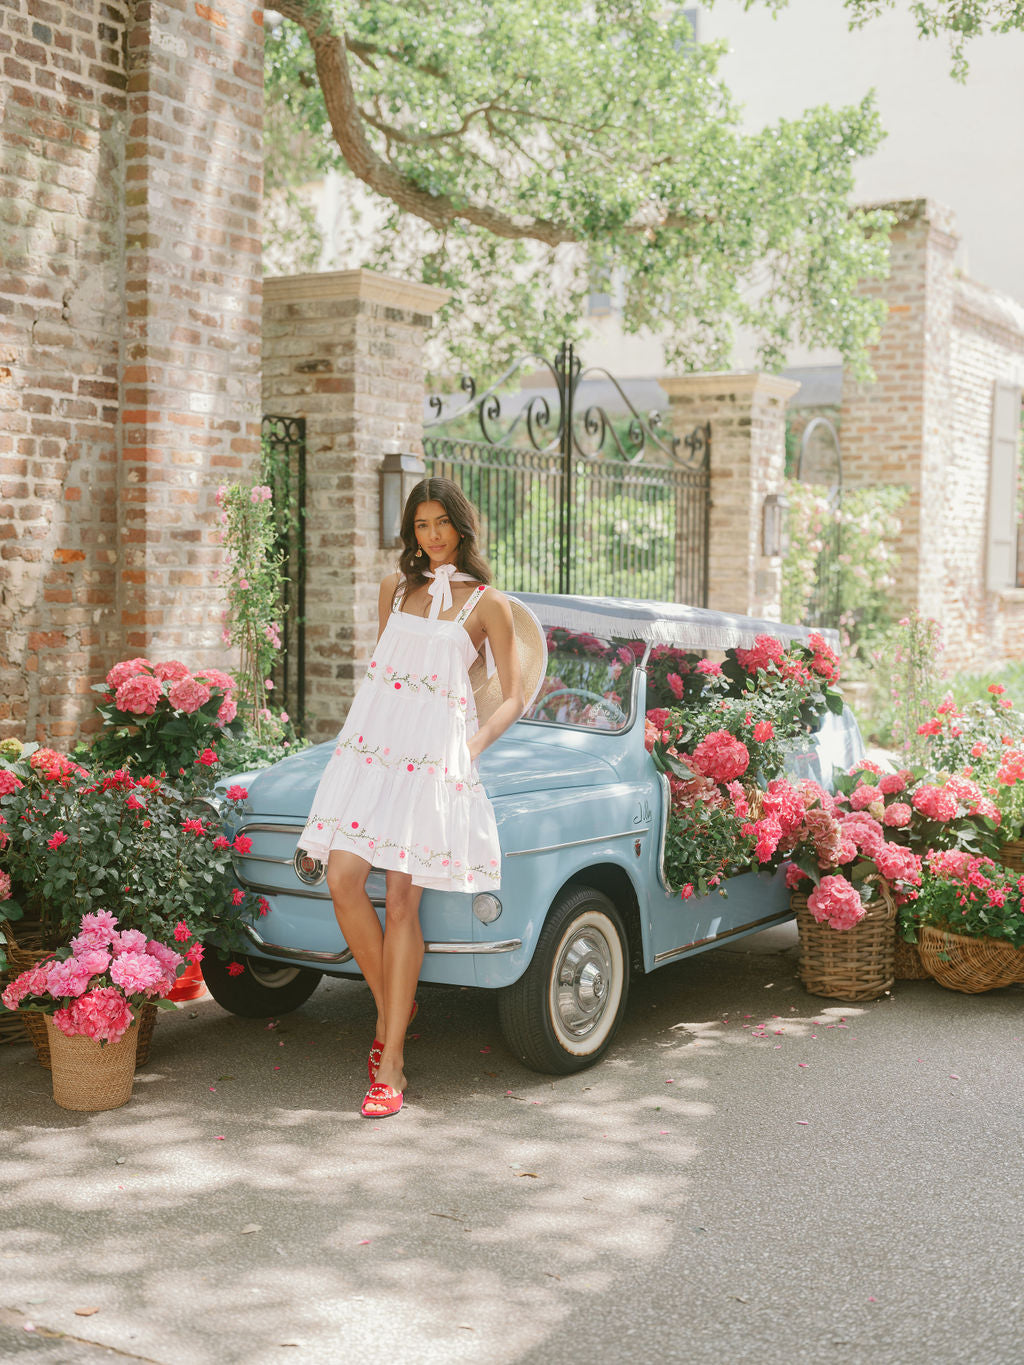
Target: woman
401 790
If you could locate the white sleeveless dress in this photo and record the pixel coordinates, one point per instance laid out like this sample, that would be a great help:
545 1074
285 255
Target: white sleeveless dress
400 789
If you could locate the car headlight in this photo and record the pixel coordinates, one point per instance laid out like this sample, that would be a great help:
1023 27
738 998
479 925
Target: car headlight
307 868
486 907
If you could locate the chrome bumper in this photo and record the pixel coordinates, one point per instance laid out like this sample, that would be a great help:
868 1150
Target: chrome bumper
311 955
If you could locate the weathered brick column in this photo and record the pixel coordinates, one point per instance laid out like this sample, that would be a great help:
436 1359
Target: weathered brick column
190 412
344 350
899 428
747 413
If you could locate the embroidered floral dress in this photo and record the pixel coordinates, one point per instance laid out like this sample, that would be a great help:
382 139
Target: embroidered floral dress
400 789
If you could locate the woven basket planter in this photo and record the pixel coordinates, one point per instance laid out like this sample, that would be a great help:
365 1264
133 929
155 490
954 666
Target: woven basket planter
34 1025
848 964
88 1075
907 962
970 965
1011 856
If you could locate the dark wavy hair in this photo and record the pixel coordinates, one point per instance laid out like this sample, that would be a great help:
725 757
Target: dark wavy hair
462 515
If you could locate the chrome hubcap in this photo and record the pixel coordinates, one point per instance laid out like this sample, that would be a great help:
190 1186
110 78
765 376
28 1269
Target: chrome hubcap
580 982
271 977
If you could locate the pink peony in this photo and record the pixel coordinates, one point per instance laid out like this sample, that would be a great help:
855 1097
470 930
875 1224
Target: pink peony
31 982
139 695
138 974
103 1014
167 957
130 668
720 756
101 925
836 902
130 941
172 671
897 816
188 695
67 978
95 961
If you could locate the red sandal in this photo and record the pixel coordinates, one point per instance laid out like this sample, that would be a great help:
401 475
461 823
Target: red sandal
390 1098
377 1047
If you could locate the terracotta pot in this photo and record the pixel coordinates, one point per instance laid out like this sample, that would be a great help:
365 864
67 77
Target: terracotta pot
190 985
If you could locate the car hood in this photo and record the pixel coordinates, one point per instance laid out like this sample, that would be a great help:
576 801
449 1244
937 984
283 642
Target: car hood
508 767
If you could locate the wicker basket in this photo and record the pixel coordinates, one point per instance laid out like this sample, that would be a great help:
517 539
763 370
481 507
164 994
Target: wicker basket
90 1075
969 964
1011 856
21 959
849 964
907 962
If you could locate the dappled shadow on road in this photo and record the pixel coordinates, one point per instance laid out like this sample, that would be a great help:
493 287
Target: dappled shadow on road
470 1223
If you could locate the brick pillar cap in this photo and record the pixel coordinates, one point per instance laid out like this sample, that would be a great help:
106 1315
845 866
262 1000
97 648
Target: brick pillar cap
368 285
729 384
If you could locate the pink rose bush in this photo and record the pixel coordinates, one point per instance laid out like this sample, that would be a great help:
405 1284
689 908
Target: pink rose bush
90 987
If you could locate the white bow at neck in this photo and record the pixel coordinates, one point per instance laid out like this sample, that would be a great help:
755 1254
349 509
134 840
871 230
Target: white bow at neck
440 590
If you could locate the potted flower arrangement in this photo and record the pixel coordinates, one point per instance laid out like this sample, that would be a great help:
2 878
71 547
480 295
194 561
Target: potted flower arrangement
73 842
89 994
970 922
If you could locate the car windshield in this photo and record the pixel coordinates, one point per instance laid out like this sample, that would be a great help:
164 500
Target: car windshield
589 681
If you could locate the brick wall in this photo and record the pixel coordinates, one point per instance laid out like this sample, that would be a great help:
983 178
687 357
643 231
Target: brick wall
747 413
926 423
130 180
345 350
62 104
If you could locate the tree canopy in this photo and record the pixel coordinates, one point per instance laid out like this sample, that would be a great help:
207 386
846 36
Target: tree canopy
525 153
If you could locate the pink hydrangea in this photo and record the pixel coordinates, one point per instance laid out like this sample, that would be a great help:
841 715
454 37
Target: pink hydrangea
865 795
865 831
720 756
898 815
227 711
188 695
139 695
216 678
764 731
171 671
898 864
9 783
138 973
936 803
104 1014
836 902
129 668
784 801
891 784
675 682
767 651
31 982
709 668
794 876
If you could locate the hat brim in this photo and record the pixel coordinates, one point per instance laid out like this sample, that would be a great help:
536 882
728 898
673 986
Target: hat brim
532 648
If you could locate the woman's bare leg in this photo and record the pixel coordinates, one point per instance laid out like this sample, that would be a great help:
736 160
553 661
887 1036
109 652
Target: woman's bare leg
402 960
358 922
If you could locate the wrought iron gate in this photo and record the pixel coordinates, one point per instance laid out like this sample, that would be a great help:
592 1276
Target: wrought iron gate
574 500
284 469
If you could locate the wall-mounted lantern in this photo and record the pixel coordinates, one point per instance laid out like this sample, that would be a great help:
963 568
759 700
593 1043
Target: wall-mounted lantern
399 474
775 525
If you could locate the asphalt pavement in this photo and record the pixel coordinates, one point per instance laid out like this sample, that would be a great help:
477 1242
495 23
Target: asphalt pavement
752 1174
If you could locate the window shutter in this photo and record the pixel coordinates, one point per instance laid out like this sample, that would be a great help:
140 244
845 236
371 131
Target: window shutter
1001 565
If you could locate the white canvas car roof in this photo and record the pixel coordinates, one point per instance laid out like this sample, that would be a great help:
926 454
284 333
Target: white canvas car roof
661 623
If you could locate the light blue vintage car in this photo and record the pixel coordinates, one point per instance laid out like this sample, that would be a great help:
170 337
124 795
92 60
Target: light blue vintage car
581 812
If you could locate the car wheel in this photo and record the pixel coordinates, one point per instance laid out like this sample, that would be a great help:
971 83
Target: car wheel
562 1013
263 989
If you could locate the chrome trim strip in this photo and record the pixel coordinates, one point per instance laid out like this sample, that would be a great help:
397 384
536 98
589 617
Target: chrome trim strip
576 843
666 803
269 828
779 918
262 889
264 858
296 954
507 945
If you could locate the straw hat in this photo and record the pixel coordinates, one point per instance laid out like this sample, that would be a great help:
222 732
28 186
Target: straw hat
533 661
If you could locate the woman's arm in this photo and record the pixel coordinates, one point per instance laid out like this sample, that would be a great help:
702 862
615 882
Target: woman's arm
495 615
384 601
